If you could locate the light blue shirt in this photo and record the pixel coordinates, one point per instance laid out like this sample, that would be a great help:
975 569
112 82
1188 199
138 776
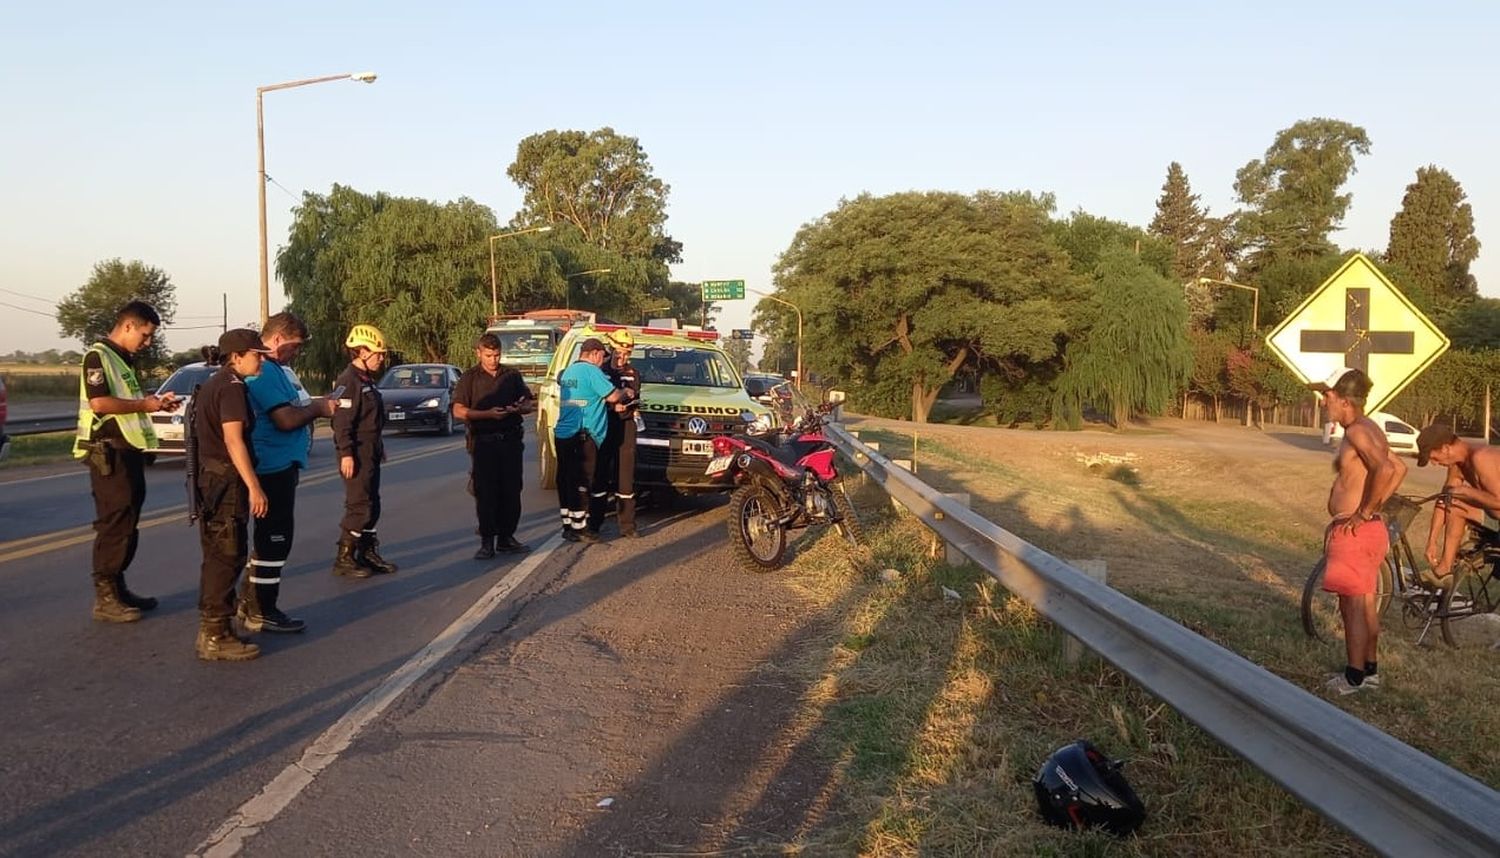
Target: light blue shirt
582 389
276 450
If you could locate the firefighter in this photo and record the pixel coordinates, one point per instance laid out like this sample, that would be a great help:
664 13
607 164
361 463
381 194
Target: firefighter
585 393
284 417
358 422
225 491
114 435
492 398
617 456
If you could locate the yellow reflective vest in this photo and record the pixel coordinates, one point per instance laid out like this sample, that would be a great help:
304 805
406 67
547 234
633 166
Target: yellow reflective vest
134 427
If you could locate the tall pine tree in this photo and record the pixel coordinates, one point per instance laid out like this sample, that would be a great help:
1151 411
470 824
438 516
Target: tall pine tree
1432 240
1180 220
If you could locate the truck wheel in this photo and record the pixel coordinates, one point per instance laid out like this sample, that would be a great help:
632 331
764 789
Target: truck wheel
546 454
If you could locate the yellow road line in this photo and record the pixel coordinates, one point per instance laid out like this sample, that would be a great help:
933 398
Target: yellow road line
20 549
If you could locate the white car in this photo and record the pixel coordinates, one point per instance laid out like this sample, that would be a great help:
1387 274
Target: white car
1398 433
170 432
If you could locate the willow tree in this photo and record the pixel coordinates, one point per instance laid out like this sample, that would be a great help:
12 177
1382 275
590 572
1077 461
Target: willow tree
1135 356
898 293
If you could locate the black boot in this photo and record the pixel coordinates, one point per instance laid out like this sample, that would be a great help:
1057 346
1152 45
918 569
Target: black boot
486 548
108 606
259 613
140 603
370 558
346 562
510 546
217 642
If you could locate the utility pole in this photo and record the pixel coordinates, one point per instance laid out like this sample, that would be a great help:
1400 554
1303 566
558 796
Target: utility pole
226 313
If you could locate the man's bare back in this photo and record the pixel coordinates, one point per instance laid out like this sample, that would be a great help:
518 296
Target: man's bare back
1351 480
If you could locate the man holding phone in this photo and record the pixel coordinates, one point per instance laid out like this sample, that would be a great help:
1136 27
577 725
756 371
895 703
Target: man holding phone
492 398
282 434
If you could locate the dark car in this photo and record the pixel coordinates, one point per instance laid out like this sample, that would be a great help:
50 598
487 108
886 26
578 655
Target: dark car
419 396
4 412
759 385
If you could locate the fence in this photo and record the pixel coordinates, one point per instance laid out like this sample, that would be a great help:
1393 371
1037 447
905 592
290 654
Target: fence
1300 413
1394 798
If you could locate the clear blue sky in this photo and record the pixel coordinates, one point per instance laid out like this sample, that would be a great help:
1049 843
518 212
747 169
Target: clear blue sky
129 129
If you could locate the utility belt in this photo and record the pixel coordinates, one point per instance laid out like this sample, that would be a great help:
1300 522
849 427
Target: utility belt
104 454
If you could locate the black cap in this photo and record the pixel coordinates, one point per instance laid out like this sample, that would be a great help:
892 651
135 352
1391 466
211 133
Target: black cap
592 344
1431 438
241 340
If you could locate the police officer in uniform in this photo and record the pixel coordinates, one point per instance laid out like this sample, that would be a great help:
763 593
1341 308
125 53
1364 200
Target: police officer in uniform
492 398
226 490
585 392
358 423
617 456
114 434
284 415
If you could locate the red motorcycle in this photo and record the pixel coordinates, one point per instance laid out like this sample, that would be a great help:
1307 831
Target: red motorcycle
785 481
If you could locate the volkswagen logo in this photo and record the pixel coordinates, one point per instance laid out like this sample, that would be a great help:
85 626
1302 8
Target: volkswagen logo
698 426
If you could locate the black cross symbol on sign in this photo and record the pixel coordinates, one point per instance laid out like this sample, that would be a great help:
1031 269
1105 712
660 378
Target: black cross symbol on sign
1356 341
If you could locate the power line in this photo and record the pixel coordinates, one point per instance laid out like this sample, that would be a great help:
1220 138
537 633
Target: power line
189 327
28 310
32 297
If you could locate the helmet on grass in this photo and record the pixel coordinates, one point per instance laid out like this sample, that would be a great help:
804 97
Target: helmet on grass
367 336
1078 787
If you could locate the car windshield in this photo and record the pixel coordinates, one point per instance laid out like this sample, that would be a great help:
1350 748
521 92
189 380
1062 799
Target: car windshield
415 377
684 365
525 344
185 380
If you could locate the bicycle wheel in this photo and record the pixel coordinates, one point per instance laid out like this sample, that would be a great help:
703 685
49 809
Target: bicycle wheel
1476 593
1320 608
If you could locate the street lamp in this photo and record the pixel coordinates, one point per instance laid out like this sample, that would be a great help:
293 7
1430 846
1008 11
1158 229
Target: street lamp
568 289
799 328
494 290
1255 303
260 149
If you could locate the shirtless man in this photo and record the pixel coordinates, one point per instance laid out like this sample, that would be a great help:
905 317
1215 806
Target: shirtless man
1474 483
1366 474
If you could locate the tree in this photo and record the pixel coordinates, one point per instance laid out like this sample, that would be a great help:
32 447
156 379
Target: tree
1088 238
1432 241
1210 376
900 292
601 184
1136 355
1476 325
1198 242
89 312
739 354
1292 195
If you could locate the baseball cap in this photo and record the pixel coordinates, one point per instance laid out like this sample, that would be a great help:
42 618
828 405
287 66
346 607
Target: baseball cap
1345 381
241 340
1431 438
592 344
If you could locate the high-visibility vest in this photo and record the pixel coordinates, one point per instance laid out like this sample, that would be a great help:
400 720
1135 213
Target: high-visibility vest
134 427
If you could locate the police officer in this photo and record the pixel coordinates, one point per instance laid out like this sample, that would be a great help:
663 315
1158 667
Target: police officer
283 430
227 490
114 434
617 456
491 398
357 425
585 391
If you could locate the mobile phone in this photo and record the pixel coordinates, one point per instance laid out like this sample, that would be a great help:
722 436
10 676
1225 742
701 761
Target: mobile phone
336 392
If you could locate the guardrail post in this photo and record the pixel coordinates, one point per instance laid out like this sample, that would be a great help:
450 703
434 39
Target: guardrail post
1098 570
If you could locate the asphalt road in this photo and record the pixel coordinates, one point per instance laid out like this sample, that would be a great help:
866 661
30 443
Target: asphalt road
116 740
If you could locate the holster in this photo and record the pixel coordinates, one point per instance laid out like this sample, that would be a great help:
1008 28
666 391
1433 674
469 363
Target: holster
215 483
101 455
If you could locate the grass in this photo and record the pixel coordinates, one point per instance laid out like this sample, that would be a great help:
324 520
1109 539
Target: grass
936 713
37 381
39 449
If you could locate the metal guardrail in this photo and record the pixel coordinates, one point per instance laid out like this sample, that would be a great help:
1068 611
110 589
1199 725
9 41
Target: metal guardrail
41 425
1396 799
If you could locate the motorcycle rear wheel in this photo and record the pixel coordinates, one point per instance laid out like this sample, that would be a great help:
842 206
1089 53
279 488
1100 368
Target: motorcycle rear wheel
849 526
759 544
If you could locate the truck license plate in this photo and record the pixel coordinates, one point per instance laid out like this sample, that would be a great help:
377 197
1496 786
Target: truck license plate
697 448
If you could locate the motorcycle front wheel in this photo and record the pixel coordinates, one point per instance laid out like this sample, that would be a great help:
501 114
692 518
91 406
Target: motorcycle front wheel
759 543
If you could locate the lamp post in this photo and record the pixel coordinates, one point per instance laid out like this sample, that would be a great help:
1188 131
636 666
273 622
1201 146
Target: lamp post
494 290
568 288
799 329
1255 303
260 150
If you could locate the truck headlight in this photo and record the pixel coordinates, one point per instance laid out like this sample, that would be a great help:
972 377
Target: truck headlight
760 425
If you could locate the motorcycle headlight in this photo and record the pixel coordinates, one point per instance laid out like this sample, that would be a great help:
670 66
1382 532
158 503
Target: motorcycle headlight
428 403
760 425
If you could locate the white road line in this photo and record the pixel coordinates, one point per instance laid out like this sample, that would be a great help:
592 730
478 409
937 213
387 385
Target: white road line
78 473
254 814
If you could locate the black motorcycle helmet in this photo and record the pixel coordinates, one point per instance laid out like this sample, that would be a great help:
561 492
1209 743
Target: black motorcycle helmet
1078 787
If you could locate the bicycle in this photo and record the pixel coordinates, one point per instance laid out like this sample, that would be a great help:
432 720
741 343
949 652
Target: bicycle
1476 590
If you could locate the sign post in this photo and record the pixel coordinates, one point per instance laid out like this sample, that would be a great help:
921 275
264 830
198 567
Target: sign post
1358 319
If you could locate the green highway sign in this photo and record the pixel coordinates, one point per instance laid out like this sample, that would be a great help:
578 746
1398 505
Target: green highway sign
723 290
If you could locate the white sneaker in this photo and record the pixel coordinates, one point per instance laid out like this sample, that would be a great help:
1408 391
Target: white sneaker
1340 685
1371 682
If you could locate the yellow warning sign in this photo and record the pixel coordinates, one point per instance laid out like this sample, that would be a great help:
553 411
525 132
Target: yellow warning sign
1358 319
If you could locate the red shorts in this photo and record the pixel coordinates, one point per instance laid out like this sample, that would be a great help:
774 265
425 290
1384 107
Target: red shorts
1354 559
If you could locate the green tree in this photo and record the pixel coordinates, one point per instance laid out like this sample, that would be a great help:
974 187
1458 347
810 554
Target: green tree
89 312
1136 355
900 292
1210 376
739 354
1088 238
1198 242
601 184
1476 325
1432 241
1291 195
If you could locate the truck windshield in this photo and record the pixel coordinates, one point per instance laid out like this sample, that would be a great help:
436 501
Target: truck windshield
686 366
527 345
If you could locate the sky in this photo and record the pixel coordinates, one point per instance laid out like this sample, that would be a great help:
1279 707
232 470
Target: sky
128 130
